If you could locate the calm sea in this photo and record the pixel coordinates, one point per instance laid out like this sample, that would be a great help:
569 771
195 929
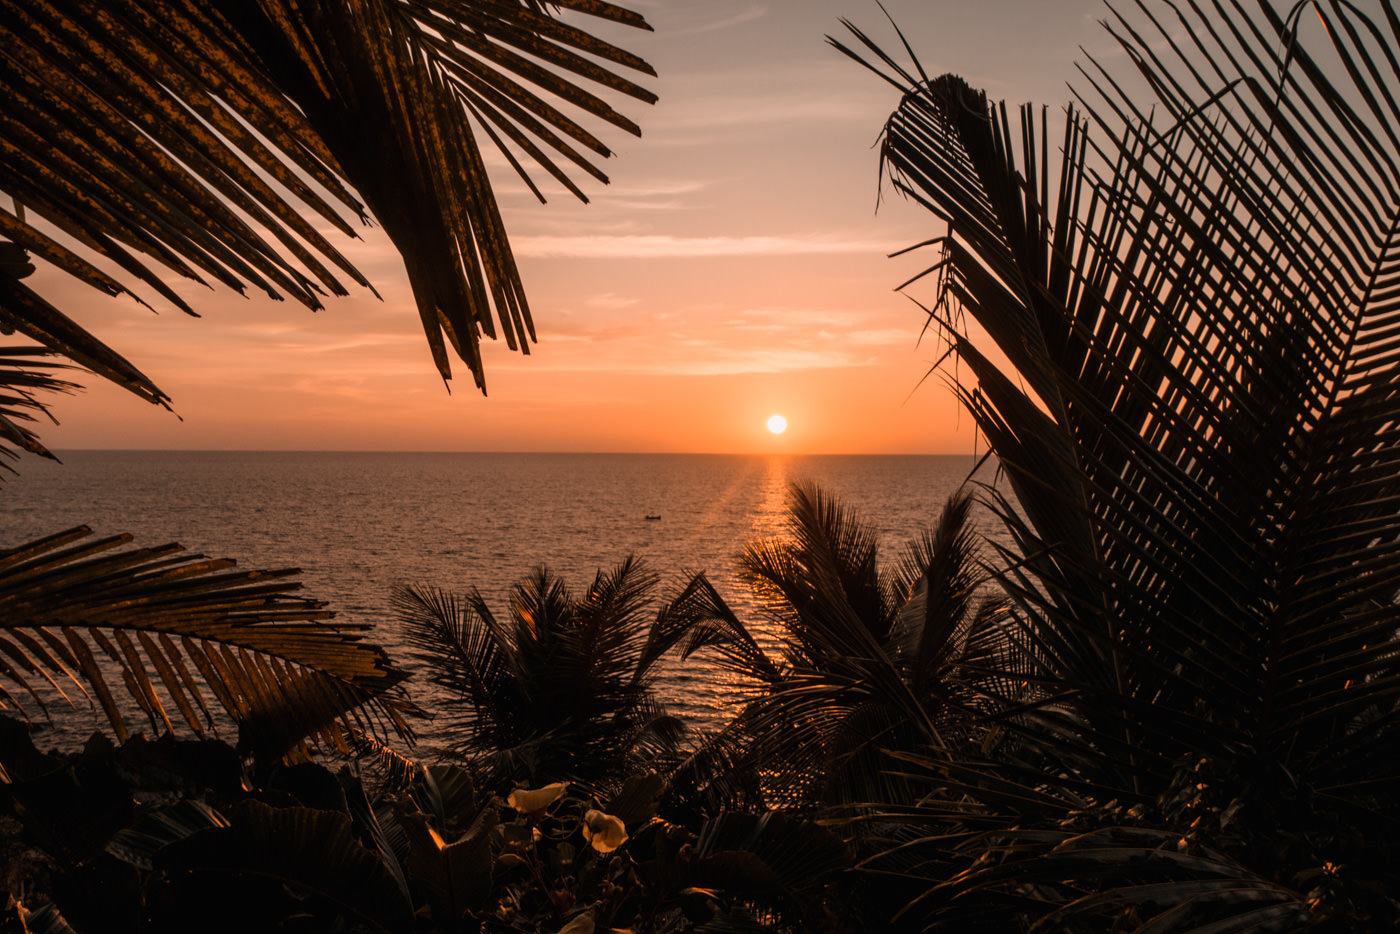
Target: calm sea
357 524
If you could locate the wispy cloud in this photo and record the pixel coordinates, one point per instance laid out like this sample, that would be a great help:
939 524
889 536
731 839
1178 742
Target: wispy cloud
879 337
611 301
665 246
735 19
766 108
737 340
697 358
758 360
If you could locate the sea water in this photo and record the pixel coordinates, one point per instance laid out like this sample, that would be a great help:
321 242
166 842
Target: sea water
358 524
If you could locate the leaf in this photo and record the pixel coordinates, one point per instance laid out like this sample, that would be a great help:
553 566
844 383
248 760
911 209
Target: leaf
456 874
275 663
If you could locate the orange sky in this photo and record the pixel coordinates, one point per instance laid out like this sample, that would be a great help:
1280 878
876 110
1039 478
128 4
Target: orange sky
734 268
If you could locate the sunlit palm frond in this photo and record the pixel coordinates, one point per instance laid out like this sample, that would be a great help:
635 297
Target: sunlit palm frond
171 629
224 142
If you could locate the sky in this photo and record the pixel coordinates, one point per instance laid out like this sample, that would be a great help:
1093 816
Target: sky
736 267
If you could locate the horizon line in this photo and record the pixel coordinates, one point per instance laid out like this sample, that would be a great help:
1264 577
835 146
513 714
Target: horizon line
63 451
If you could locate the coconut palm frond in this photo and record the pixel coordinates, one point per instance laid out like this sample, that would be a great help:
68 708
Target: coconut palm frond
1183 360
1199 310
561 688
223 142
722 773
26 376
463 652
822 583
699 617
873 658
186 639
612 631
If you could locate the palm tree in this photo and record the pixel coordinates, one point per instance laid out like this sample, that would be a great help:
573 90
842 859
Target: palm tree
214 141
870 657
1185 364
561 689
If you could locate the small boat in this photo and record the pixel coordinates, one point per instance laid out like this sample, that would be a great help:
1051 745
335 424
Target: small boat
653 518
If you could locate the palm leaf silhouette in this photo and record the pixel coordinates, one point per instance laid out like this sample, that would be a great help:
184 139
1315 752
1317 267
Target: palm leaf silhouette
869 657
222 141
1187 375
561 688
77 615
27 374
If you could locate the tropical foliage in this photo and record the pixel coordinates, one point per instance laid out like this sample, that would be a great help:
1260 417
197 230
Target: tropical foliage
311 849
561 688
216 141
27 378
869 657
1184 361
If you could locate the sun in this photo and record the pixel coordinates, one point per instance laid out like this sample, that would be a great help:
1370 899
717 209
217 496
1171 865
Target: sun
777 424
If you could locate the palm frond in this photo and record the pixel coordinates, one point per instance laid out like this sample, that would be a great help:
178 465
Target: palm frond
1184 364
216 141
78 614
1204 455
873 658
701 617
312 852
26 376
463 652
562 688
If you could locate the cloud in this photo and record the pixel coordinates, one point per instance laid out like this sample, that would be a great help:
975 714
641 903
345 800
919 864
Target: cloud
659 196
749 340
771 109
735 19
591 246
880 337
730 361
694 358
611 301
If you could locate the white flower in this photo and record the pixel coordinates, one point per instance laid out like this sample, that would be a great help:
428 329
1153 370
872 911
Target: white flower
603 832
535 800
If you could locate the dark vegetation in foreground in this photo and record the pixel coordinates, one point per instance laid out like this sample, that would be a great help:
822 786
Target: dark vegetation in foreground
1169 705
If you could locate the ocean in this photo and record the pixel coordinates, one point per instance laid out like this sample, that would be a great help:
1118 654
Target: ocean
358 524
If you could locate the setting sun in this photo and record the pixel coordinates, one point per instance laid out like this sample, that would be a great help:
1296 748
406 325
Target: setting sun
777 424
